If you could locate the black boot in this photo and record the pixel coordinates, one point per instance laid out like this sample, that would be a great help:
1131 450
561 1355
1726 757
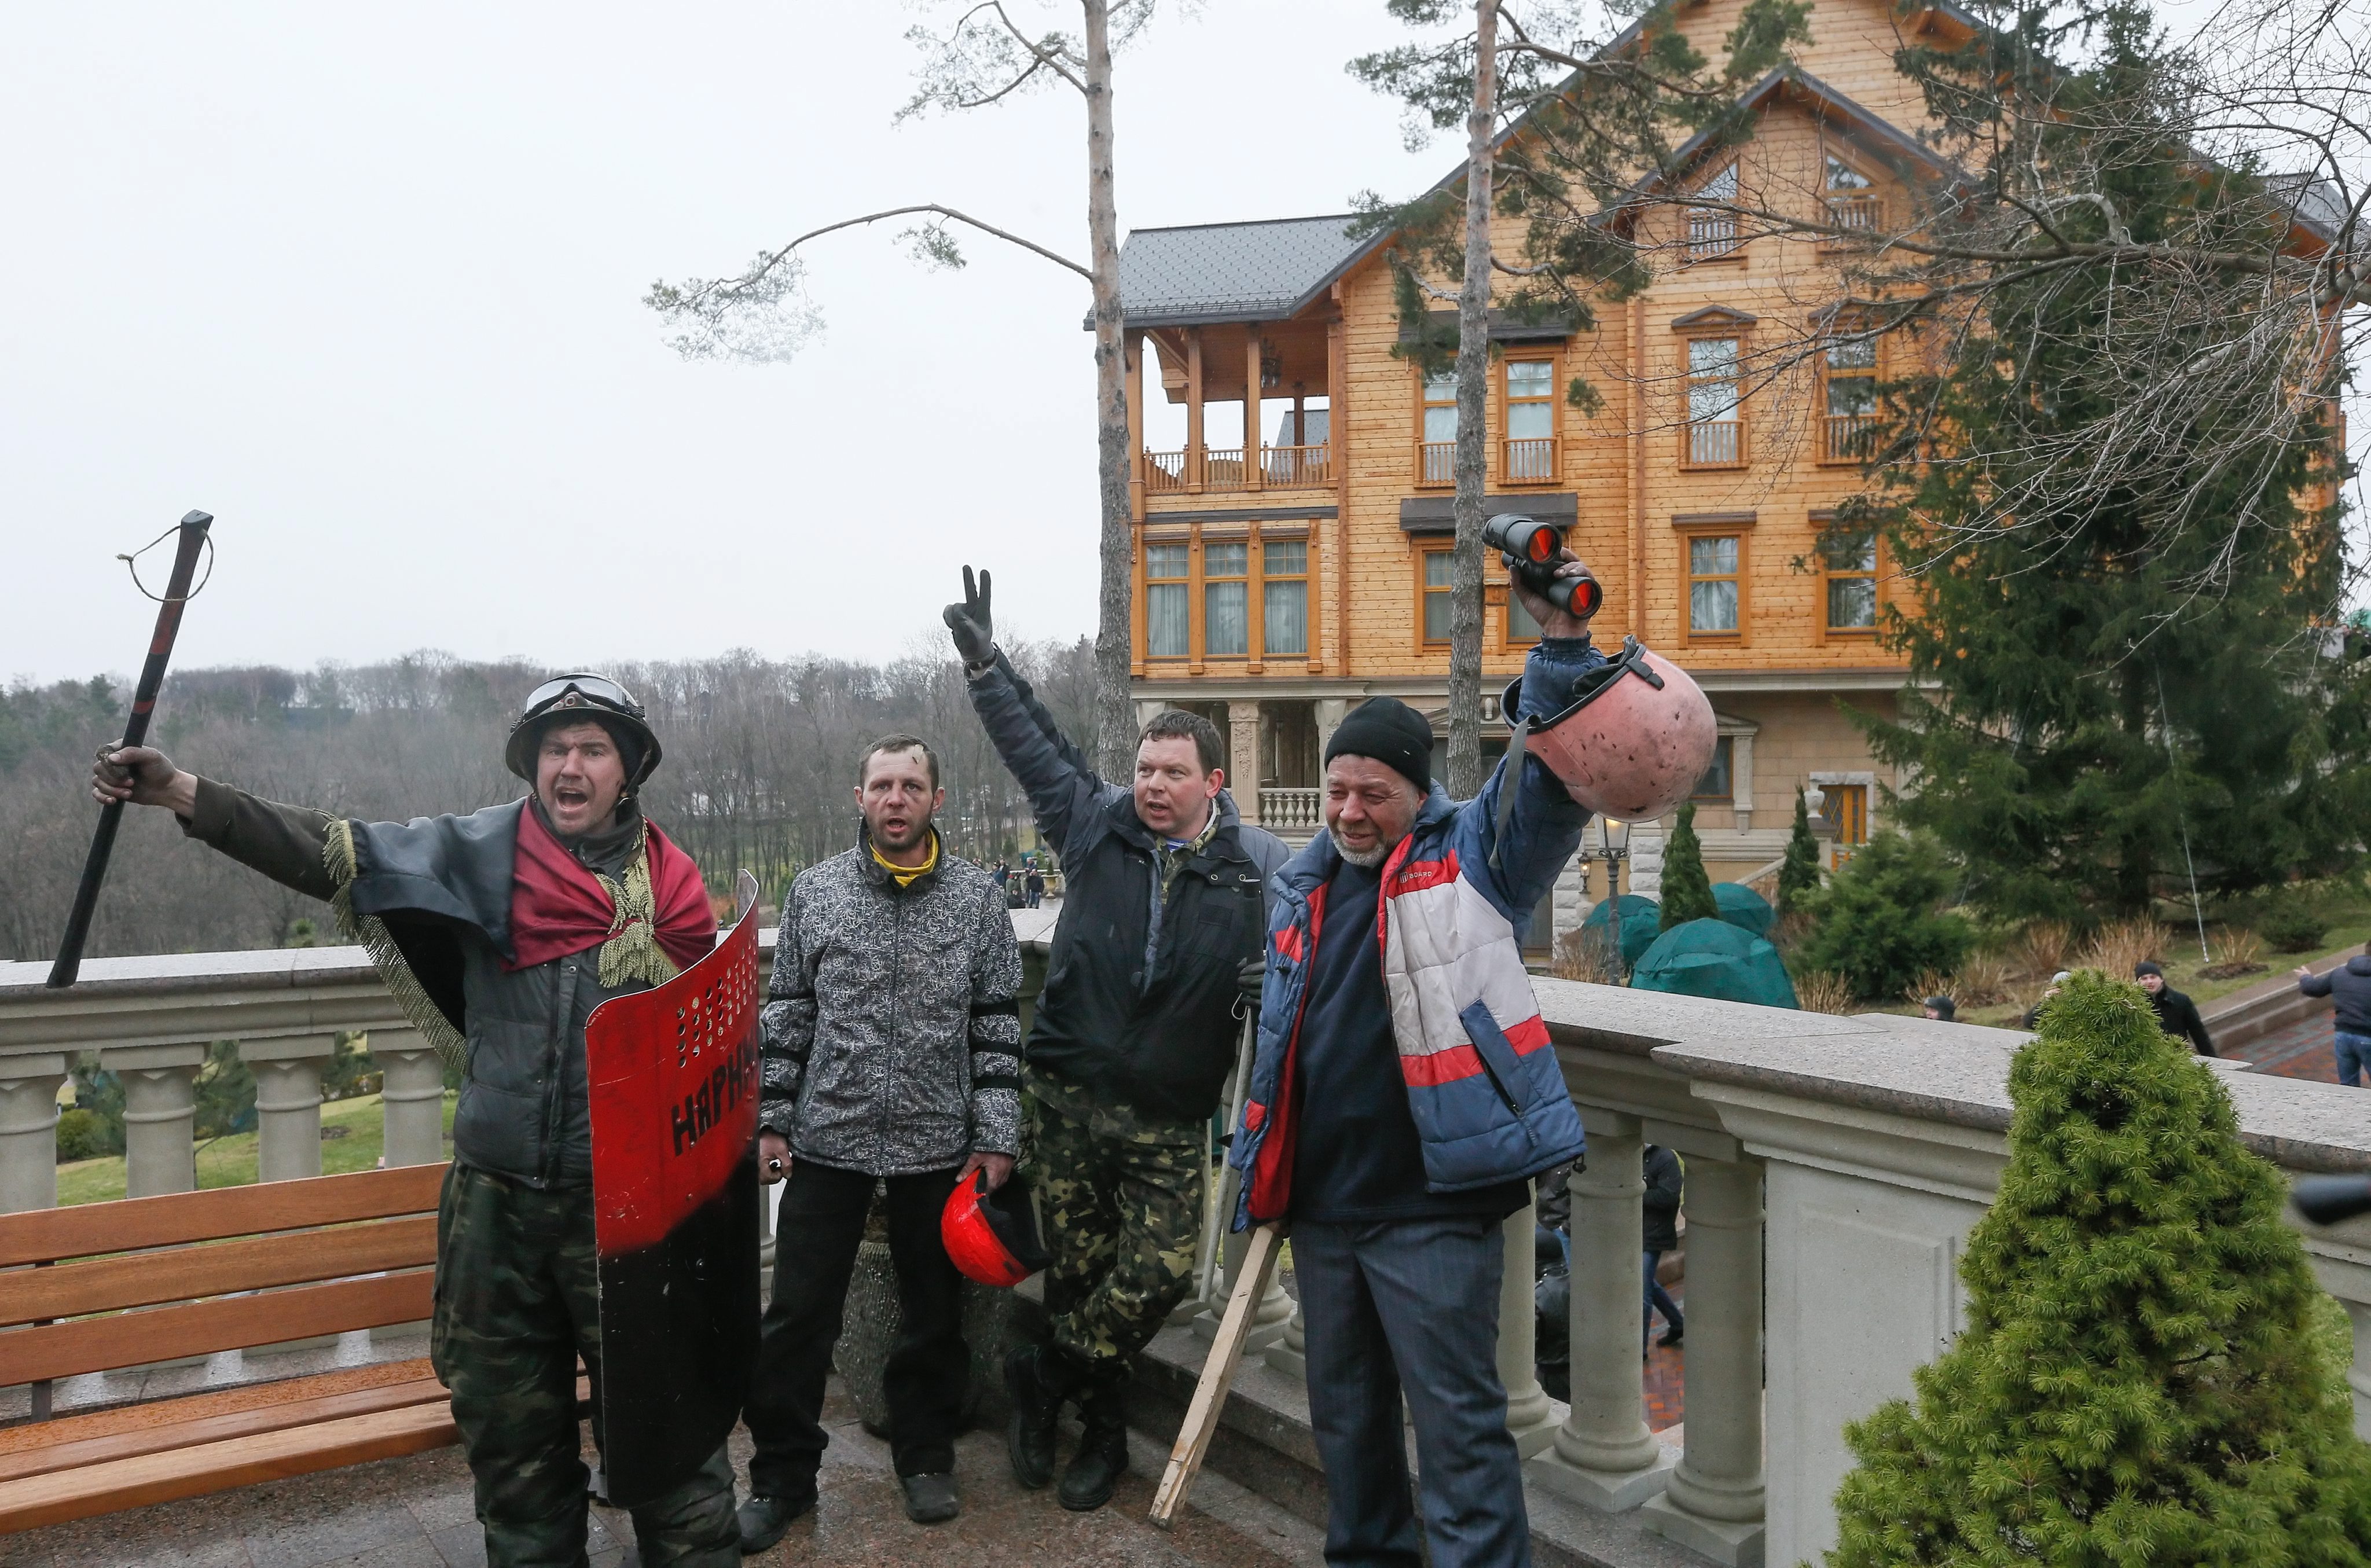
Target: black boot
1037 1378
1102 1457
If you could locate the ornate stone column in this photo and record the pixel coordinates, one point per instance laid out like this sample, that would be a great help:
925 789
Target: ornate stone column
1331 711
288 1103
29 1129
1530 1416
159 1108
1242 748
1604 1454
1714 1502
412 1096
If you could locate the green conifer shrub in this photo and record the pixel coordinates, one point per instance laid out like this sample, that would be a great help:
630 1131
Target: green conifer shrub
1798 876
1878 921
1687 890
2142 1379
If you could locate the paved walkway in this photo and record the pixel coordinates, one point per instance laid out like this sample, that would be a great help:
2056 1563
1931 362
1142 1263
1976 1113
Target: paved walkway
2303 1050
416 1513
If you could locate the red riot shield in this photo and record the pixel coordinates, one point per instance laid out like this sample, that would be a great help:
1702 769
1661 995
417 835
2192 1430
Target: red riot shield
673 1080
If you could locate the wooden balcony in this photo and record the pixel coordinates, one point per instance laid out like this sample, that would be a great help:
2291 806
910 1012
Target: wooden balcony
1712 236
1863 212
1713 444
1222 469
1291 467
1528 460
1847 438
1436 465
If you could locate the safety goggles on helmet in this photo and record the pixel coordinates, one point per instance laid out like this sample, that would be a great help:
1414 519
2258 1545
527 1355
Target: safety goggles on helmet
596 699
994 1237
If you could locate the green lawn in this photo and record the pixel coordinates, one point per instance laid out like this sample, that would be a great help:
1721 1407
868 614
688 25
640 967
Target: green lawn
354 1133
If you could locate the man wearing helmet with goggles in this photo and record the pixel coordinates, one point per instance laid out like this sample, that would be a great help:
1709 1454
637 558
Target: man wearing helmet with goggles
499 932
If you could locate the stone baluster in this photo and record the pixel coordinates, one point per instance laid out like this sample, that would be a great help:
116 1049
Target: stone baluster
412 1096
1714 1502
1603 1454
159 1114
1530 1416
1291 1353
288 1103
29 1129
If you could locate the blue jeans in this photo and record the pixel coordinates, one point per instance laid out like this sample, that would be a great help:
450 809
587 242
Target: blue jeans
1658 1300
2353 1058
1411 1305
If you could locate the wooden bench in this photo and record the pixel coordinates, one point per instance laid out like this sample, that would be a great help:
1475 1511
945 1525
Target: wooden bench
107 1286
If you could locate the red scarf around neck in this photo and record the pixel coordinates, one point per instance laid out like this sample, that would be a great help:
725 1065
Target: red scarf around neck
558 906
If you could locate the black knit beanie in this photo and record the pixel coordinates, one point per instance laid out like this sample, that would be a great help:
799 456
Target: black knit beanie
2146 967
1394 735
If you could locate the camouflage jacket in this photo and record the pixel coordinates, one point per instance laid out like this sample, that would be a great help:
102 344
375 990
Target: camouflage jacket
891 1037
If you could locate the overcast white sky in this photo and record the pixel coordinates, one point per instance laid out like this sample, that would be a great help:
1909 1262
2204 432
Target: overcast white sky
365 284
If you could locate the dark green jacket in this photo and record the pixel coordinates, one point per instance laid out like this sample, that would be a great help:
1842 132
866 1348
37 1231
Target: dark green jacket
441 886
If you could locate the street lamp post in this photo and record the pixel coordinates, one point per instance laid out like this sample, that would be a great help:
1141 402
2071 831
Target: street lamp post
1613 848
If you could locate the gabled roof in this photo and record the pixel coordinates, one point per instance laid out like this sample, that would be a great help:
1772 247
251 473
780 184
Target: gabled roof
1255 271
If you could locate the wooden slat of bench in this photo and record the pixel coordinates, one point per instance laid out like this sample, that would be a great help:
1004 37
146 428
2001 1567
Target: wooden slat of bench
110 1284
85 1230
75 1453
200 1328
150 1479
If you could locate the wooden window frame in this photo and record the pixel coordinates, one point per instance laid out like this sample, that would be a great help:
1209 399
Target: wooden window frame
1743 532
1732 253
1426 546
1823 448
1417 445
1870 197
1145 547
1259 581
1739 333
1203 582
1503 393
1841 635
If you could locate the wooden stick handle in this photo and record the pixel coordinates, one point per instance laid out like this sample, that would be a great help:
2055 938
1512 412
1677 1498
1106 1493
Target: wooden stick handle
1217 1374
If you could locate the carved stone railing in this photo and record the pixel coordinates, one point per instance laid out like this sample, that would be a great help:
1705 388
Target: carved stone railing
1854 1154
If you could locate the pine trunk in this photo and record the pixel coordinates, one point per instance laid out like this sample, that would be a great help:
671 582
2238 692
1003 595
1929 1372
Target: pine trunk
1472 407
1114 728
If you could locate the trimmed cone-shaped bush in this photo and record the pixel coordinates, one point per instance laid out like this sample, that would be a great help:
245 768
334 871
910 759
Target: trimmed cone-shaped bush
1798 878
1688 887
2140 1383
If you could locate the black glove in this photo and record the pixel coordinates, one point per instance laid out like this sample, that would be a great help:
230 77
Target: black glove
974 635
1248 975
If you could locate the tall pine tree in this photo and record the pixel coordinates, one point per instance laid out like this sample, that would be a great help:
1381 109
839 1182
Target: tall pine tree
2103 692
1687 888
2140 1382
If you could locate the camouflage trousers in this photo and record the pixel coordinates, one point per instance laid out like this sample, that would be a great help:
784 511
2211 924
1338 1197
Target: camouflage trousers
516 1305
1122 1205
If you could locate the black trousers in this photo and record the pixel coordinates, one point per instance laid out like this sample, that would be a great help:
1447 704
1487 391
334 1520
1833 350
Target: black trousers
818 1230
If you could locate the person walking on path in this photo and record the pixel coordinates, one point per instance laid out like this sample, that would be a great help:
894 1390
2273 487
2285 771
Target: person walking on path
890 1042
1133 1043
1035 884
1660 1229
1403 1093
498 933
2349 985
2176 1014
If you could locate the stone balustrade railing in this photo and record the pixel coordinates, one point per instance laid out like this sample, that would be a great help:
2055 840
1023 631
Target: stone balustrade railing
1851 1154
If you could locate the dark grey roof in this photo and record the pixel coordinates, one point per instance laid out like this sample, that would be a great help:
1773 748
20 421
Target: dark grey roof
1256 271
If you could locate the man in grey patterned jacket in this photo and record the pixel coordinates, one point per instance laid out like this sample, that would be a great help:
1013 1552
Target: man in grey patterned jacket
890 1042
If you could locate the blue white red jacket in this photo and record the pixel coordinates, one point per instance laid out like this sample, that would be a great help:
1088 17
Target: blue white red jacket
1487 1095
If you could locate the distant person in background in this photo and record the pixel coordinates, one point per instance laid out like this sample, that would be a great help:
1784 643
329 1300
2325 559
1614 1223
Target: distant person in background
2032 1019
2350 985
2176 1014
1659 1230
1942 1009
1035 886
1001 873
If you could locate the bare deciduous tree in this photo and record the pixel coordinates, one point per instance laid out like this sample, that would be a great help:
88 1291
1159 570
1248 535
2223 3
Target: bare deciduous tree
984 58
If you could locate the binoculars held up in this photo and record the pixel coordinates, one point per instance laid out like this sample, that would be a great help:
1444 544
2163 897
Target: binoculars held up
1530 548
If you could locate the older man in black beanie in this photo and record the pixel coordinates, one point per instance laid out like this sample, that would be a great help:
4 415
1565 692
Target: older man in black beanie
1403 1094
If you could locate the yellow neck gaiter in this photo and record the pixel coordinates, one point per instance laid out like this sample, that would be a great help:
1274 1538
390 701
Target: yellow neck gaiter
905 875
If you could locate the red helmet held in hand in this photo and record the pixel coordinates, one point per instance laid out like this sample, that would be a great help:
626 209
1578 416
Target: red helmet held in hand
1633 740
992 1237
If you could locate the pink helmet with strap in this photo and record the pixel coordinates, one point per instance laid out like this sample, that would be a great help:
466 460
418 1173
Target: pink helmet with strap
1636 738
